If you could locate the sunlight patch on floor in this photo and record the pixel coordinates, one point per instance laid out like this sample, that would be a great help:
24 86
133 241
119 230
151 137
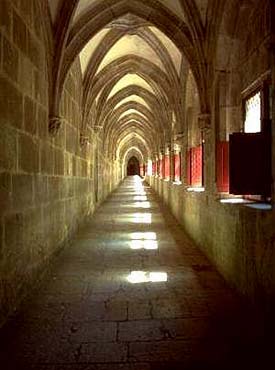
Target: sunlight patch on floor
137 277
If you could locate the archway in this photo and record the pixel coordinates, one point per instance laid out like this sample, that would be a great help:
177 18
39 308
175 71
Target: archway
133 167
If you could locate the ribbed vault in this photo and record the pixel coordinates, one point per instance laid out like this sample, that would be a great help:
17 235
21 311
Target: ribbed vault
134 56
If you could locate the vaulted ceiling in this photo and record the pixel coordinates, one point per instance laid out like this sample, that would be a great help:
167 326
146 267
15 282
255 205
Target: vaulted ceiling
132 54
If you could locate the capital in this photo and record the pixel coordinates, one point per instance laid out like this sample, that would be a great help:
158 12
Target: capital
84 140
54 125
204 121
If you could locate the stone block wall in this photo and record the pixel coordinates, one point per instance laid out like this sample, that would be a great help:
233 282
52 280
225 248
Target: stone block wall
46 183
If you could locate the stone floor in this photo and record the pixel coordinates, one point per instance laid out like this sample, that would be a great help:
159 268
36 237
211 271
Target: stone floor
132 292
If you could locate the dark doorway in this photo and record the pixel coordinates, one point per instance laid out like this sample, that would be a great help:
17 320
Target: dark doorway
133 167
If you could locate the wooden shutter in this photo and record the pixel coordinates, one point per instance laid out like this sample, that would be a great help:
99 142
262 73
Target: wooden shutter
249 164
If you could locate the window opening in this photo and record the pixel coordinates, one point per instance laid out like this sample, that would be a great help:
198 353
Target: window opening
252 122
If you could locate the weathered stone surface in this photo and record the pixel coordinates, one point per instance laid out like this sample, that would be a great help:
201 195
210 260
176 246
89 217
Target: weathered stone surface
58 162
110 352
71 139
8 149
28 154
22 190
19 33
42 119
26 8
40 189
30 116
10 59
25 69
33 50
47 159
5 15
14 235
11 104
5 191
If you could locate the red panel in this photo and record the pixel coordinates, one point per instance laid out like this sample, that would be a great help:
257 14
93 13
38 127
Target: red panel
177 169
196 166
167 167
223 166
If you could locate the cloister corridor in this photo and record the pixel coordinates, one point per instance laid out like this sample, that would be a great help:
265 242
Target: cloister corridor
131 292
137 184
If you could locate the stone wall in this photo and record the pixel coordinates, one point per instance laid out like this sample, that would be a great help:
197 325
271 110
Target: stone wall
46 183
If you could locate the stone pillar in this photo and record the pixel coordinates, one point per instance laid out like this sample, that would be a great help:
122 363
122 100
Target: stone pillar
208 141
168 153
161 161
180 147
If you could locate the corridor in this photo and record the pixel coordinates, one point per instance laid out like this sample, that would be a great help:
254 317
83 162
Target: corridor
130 292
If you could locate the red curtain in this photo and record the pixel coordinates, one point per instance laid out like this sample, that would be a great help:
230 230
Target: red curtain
161 168
223 166
177 169
194 166
167 167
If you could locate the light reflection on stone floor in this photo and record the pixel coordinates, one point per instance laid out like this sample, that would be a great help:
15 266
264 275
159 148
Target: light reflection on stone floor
90 315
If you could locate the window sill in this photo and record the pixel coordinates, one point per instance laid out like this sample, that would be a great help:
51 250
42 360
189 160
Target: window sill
196 189
231 200
247 203
177 182
260 206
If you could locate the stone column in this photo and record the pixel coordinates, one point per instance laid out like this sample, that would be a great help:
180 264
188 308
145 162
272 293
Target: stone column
180 147
168 153
208 141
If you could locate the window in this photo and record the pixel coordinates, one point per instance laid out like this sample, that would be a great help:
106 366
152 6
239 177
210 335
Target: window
252 123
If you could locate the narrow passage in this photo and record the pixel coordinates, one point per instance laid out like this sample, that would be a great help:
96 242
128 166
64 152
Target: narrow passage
132 292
